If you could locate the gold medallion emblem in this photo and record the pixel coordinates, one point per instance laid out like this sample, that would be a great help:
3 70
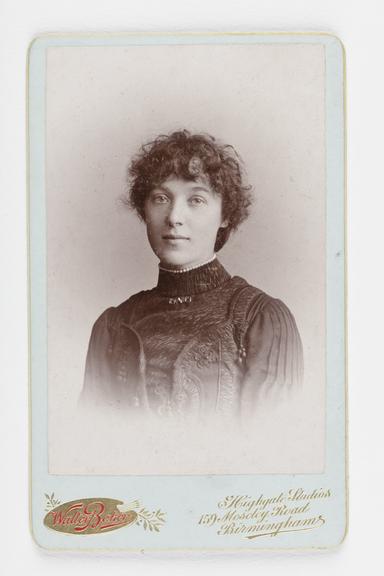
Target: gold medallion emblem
99 515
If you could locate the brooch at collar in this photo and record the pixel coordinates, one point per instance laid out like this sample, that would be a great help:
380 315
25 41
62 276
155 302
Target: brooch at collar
180 300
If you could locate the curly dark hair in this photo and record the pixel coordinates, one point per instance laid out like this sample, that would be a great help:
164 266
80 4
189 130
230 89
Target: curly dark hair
190 156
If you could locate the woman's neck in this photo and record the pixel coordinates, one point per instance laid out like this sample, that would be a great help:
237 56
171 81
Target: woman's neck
197 280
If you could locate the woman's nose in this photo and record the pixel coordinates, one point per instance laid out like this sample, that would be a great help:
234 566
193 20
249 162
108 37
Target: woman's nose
176 214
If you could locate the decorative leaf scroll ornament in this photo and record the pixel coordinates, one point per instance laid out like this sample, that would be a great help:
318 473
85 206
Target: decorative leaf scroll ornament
51 502
98 515
151 521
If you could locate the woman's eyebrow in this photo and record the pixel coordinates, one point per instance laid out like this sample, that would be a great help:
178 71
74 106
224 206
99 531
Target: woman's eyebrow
161 187
199 188
196 188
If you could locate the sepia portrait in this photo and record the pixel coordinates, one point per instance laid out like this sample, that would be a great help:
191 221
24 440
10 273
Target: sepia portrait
186 258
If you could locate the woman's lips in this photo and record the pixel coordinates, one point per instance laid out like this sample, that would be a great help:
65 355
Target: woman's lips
175 241
174 237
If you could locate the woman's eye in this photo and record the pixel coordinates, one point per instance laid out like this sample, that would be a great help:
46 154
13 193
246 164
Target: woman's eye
197 200
160 199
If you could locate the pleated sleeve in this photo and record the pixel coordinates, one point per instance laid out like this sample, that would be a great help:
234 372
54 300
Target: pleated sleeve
97 376
274 356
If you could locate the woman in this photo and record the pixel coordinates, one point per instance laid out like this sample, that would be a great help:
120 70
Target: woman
201 343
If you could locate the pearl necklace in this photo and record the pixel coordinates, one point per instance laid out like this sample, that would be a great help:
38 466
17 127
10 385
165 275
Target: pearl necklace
181 270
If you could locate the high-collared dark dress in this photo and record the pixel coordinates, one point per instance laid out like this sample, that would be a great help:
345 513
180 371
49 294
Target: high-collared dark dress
201 343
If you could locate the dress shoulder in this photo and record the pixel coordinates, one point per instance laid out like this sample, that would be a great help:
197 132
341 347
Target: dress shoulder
111 318
106 325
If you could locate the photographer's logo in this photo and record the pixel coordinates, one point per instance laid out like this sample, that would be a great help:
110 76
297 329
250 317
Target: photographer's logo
99 515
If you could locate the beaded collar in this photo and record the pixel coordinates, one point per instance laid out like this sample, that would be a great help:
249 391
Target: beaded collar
193 281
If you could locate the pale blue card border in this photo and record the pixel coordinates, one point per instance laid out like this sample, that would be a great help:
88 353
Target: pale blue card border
169 492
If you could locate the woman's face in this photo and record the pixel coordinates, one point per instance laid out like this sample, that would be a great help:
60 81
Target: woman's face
182 219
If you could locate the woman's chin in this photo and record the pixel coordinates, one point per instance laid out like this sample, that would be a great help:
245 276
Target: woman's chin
173 259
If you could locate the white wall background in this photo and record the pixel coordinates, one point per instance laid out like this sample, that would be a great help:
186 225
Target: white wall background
360 27
102 104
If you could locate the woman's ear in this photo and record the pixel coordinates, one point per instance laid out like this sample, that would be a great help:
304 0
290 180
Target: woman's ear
224 224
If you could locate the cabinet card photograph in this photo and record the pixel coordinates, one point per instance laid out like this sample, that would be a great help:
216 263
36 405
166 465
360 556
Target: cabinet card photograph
187 290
